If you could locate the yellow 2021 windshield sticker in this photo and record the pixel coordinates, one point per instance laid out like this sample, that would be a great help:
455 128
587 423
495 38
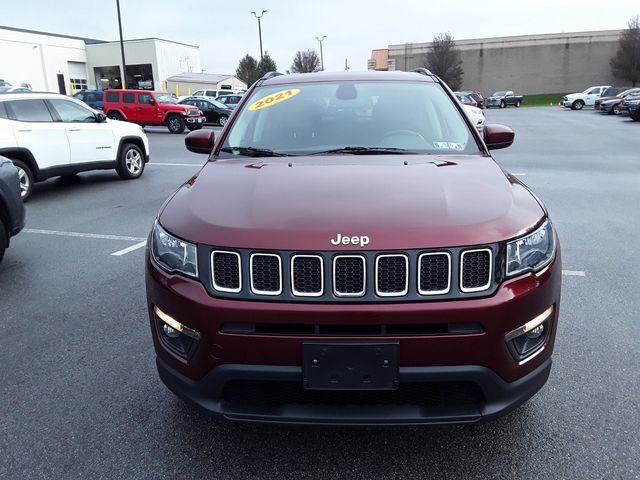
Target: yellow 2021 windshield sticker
274 98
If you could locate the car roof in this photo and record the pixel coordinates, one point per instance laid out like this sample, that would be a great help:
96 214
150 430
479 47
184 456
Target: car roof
36 95
348 75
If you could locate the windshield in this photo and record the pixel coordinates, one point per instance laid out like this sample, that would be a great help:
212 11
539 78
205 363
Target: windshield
354 117
165 98
219 104
628 92
499 94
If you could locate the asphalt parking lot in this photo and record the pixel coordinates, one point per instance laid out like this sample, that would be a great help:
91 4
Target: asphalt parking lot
81 398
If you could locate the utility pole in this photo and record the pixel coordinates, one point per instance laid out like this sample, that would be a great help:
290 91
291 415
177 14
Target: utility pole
123 81
321 56
260 29
346 64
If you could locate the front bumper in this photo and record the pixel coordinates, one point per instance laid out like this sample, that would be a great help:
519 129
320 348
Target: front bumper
208 394
195 120
433 362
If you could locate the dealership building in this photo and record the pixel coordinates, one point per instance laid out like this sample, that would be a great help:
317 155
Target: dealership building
62 63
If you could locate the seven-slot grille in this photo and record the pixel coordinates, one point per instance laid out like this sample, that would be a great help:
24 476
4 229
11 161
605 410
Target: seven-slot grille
227 274
434 277
307 275
362 276
475 270
349 275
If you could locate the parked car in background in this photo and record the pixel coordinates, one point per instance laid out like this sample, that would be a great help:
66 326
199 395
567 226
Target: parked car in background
48 135
214 112
587 98
503 99
230 101
214 93
477 96
151 108
10 89
12 212
609 93
477 116
93 98
612 104
631 104
466 99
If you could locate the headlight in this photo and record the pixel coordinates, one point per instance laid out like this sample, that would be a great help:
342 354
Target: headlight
173 254
531 252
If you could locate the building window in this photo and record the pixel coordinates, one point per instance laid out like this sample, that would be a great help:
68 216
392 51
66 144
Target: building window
78 84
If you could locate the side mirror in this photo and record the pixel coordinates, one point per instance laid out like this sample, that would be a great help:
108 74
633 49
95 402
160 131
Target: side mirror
200 141
498 136
100 117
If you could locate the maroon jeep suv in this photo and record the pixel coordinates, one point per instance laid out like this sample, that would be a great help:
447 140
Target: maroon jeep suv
151 108
352 254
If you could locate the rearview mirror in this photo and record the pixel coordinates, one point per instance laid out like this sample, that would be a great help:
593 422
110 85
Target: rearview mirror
498 136
200 141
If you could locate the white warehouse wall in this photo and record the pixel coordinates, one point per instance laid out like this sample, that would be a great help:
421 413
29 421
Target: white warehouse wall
175 58
37 59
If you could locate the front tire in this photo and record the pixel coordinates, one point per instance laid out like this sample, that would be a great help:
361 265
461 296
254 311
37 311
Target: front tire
577 105
176 124
615 110
26 179
518 103
223 120
131 162
503 105
115 116
3 240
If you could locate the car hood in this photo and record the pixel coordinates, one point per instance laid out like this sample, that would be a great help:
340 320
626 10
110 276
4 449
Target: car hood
301 203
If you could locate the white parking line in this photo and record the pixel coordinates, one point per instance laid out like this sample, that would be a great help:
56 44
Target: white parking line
177 164
574 273
124 251
84 235
519 174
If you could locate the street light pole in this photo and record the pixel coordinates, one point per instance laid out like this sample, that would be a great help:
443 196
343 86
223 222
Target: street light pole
260 29
124 64
321 56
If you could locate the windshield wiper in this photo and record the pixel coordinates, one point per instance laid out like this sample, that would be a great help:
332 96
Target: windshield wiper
365 151
253 152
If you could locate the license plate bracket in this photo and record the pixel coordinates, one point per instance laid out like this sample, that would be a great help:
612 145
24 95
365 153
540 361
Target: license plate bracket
350 366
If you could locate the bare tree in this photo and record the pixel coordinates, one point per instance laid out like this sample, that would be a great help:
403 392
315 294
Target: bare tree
247 70
305 61
626 63
444 60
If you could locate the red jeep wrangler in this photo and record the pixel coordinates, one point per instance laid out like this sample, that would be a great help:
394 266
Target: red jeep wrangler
151 108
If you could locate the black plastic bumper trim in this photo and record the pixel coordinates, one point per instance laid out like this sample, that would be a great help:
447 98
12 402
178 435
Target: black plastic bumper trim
500 397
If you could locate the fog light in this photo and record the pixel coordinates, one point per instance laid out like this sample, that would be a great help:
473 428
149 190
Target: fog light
536 332
175 336
525 341
170 332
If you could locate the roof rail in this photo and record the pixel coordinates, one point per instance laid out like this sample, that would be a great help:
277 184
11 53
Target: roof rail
269 75
423 71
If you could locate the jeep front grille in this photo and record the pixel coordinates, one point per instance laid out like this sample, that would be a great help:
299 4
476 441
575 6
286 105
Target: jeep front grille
475 273
365 276
349 275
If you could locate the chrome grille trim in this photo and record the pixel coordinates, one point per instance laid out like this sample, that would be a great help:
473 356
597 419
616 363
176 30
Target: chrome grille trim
213 277
265 292
293 283
400 293
364 275
434 292
482 287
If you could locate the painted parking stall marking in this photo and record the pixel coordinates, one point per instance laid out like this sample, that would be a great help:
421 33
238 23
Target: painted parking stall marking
574 273
83 235
132 248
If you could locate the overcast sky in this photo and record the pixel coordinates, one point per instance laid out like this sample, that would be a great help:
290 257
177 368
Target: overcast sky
226 31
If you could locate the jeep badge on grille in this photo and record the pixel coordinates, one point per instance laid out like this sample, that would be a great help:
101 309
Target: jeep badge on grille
361 240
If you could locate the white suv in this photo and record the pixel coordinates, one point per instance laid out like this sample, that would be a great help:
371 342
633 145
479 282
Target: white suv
49 135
